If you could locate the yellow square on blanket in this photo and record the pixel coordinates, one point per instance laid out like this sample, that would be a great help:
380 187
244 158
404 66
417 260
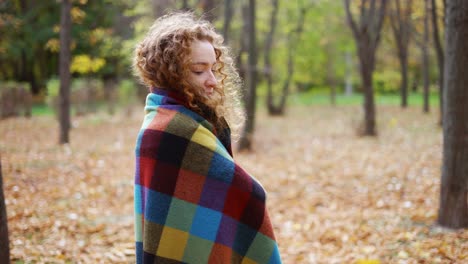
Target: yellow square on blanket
204 137
172 244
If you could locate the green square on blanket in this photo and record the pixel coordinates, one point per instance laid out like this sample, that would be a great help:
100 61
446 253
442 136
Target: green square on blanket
175 128
197 159
181 214
197 250
261 248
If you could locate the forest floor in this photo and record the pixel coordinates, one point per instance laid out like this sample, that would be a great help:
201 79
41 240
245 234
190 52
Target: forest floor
333 197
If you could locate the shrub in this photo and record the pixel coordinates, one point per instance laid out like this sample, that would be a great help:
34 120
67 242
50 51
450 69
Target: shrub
85 93
386 82
15 98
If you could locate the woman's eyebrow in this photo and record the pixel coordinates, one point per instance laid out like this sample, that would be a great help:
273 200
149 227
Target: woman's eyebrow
202 63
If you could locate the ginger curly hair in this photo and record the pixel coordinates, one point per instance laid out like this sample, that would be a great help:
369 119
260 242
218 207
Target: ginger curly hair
162 60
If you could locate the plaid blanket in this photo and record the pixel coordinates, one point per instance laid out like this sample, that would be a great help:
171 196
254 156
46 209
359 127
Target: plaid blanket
193 203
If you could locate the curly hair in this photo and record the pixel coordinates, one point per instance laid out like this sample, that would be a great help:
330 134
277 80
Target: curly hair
162 60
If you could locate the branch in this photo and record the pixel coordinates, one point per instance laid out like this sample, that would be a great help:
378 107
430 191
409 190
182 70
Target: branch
396 27
364 14
372 8
407 21
351 21
380 20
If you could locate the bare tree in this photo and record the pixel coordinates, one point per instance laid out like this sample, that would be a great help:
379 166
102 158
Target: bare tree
245 142
208 7
160 7
425 58
453 210
228 12
65 39
367 36
240 61
348 74
4 242
293 39
400 20
331 73
185 5
440 55
267 58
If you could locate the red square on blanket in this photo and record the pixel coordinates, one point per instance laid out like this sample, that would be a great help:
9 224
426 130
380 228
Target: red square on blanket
146 171
236 201
163 117
242 180
266 227
220 254
189 186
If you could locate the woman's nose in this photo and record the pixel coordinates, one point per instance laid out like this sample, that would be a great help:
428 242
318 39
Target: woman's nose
211 81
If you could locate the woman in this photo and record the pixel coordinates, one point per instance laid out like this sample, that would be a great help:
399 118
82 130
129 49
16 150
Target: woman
193 203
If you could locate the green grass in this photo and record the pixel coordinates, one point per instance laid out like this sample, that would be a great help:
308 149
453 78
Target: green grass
310 98
357 99
41 109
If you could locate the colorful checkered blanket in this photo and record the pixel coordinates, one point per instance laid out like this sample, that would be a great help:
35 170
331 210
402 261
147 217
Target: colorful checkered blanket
193 203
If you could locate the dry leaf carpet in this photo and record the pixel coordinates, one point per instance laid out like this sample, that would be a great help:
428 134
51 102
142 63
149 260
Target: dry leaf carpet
333 196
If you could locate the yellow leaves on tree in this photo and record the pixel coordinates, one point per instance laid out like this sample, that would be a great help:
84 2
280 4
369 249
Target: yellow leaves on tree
77 15
98 34
53 45
84 64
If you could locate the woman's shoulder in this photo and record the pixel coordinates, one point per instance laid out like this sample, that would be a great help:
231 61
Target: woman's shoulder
170 119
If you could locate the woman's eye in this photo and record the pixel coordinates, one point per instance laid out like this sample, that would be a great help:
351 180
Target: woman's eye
197 72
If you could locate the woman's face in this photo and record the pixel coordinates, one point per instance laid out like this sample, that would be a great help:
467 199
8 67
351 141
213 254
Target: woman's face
202 66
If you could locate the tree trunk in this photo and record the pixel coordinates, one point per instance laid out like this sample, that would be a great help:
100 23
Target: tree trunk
401 24
4 242
348 75
65 39
331 74
293 39
279 109
425 58
247 134
110 94
404 80
453 210
160 7
241 65
208 7
185 5
227 19
367 36
369 104
268 71
440 57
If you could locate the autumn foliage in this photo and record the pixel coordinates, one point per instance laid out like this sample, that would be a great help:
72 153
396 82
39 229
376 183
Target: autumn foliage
333 197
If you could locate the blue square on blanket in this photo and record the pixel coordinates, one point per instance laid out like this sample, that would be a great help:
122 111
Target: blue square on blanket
244 237
157 207
206 223
221 168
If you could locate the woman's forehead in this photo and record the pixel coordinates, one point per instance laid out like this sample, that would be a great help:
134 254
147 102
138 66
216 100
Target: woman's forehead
202 52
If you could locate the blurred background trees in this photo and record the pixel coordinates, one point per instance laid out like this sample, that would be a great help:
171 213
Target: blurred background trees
322 55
